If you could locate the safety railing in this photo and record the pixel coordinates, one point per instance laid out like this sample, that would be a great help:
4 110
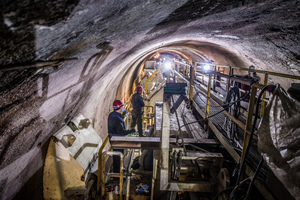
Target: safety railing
154 76
101 169
229 75
100 163
148 116
266 77
117 175
128 106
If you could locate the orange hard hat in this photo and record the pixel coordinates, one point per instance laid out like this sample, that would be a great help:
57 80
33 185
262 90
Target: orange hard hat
117 104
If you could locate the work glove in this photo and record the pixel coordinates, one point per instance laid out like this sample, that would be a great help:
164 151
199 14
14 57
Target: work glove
124 112
132 130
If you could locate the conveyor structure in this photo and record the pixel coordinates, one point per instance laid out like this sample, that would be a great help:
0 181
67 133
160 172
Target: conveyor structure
200 140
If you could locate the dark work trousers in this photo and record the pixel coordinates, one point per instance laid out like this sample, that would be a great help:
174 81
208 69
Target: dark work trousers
137 120
116 161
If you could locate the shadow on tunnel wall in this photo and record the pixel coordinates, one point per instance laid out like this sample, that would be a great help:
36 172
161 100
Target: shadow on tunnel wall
192 10
17 38
17 42
22 94
18 137
17 25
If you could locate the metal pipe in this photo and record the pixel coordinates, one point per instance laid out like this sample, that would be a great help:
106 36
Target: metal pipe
248 123
212 65
240 80
214 80
264 95
37 64
100 163
180 133
260 86
181 76
243 159
120 175
155 161
223 82
152 75
258 71
254 177
128 175
192 78
182 63
270 73
208 96
128 189
228 80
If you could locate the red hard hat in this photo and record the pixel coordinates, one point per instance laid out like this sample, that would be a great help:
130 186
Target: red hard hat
117 104
139 88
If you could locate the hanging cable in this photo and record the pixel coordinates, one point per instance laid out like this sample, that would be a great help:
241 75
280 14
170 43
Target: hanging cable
270 88
254 177
246 93
225 190
230 104
236 188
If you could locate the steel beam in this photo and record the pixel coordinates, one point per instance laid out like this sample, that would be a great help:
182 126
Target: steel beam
165 145
153 142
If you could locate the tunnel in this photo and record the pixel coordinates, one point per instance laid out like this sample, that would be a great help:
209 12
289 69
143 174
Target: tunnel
61 59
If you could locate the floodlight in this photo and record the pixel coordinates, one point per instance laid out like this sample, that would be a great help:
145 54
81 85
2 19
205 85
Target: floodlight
168 65
206 67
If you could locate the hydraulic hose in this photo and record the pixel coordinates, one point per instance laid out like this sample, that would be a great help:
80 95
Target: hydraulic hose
270 88
253 179
227 106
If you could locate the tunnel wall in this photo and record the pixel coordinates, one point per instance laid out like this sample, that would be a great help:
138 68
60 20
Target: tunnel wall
107 37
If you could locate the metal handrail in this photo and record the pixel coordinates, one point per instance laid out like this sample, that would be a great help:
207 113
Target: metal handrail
270 73
159 70
119 175
99 163
151 117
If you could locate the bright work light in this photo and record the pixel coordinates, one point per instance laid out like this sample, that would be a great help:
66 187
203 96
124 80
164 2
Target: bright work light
168 65
206 67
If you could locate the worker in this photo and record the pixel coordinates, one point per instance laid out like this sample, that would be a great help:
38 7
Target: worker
116 127
137 112
252 76
148 131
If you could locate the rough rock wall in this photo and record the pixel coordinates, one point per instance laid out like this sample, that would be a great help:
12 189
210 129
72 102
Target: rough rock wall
106 36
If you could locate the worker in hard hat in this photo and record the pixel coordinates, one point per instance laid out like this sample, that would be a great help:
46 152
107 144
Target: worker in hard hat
147 131
137 112
252 76
116 127
116 124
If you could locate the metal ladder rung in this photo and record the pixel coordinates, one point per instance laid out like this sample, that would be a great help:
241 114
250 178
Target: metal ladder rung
112 174
119 175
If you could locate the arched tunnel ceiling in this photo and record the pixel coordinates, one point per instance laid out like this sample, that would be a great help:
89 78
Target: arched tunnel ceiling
110 40
196 51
